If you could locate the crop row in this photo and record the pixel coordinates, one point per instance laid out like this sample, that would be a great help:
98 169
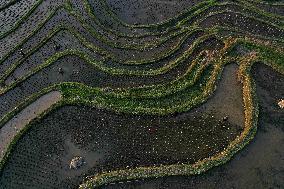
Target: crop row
176 66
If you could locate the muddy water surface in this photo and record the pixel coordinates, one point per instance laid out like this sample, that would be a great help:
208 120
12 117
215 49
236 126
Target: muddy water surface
109 141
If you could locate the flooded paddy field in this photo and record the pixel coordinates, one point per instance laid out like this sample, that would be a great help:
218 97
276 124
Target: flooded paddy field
108 141
259 165
136 94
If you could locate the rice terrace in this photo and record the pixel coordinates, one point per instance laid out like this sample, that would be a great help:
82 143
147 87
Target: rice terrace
141 94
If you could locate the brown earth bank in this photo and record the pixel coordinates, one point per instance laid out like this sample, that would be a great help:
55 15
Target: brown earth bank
110 141
259 166
9 130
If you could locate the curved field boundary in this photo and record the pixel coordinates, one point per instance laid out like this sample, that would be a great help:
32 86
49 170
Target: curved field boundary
266 54
17 123
251 116
277 57
97 36
7 4
86 4
21 20
187 90
41 25
182 21
197 9
184 169
98 50
110 70
146 172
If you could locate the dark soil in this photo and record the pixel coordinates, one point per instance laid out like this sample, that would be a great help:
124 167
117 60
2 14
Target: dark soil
275 9
77 70
259 165
30 24
109 141
244 23
148 12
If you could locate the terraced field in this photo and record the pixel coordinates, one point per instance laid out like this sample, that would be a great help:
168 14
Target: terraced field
137 89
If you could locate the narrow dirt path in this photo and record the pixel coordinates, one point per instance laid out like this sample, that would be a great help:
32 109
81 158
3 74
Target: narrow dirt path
18 122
